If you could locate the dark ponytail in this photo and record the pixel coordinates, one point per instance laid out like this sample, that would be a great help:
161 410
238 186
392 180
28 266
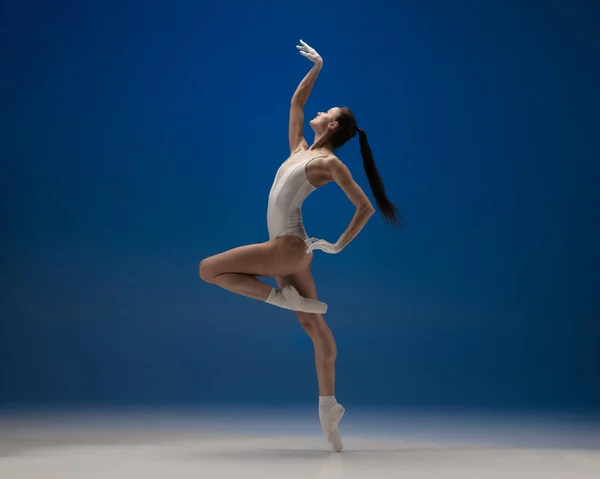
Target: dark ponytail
387 208
347 129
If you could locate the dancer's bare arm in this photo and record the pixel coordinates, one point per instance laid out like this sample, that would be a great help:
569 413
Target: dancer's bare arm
340 173
301 95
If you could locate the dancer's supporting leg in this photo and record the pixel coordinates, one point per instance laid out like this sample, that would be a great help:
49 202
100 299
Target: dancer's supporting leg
235 271
330 411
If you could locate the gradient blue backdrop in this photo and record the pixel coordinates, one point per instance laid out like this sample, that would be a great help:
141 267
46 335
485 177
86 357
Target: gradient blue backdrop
140 137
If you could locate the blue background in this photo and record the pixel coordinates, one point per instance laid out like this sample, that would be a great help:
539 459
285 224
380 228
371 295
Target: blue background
140 137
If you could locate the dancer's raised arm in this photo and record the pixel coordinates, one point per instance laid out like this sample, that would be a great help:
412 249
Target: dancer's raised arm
300 96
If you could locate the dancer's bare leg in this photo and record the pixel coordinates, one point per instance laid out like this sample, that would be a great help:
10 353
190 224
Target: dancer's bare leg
235 271
330 412
317 329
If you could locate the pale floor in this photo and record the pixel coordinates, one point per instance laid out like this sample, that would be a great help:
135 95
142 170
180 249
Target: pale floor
251 444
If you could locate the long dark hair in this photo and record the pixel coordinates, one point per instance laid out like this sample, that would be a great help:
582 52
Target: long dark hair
347 128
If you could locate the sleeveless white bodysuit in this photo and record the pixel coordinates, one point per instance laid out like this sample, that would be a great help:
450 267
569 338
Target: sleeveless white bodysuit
290 189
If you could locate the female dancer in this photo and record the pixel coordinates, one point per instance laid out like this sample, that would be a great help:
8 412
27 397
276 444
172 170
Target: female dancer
288 253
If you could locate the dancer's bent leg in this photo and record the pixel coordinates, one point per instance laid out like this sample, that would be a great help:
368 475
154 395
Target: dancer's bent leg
235 271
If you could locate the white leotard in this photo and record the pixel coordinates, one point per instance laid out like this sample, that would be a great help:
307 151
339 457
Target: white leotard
290 189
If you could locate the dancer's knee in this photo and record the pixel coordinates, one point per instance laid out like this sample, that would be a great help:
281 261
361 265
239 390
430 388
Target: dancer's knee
309 322
206 270
321 335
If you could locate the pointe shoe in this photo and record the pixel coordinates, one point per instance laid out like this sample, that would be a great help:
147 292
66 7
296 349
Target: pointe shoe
329 424
296 302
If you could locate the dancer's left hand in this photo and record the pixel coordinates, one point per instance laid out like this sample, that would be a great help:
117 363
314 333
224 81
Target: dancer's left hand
316 243
309 52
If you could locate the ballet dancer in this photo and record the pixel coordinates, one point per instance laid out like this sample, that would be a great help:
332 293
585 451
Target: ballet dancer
288 253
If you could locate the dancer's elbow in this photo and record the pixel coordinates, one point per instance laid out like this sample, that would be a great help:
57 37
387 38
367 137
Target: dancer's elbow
366 209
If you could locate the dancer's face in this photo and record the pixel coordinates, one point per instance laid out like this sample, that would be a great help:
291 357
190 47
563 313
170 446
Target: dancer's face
325 121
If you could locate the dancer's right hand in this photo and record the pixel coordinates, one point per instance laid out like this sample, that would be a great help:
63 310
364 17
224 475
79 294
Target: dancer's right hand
326 246
309 52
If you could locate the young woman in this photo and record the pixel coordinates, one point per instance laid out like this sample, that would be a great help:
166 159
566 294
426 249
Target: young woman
288 253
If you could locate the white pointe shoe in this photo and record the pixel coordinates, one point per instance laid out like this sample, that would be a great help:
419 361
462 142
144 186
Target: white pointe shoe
294 301
329 424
